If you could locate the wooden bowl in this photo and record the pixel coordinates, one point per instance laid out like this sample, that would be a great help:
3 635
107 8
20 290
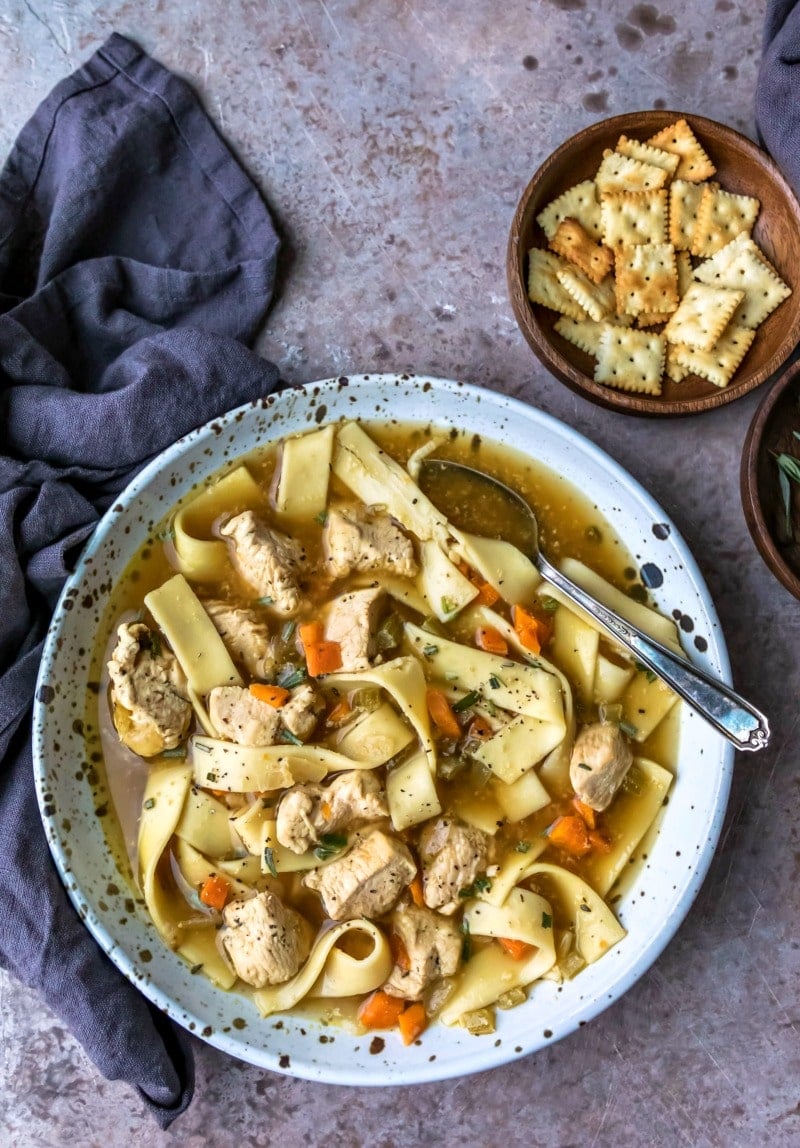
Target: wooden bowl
772 432
742 168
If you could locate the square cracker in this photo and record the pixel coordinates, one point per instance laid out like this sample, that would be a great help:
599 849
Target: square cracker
597 299
702 315
720 363
672 368
684 201
576 244
648 154
680 140
623 173
544 287
740 265
721 216
578 202
646 278
583 333
630 217
630 360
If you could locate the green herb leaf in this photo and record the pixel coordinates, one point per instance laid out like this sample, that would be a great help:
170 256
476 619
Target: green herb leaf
468 700
466 944
202 747
448 606
429 651
150 803
195 969
481 884
548 604
290 738
178 751
789 465
269 860
643 669
265 601
154 643
522 846
287 631
321 518
212 777
495 682
547 921
329 845
290 676
629 729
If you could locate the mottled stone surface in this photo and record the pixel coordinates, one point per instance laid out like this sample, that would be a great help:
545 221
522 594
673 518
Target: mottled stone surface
393 140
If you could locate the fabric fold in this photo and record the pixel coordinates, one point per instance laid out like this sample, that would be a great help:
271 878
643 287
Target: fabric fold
137 260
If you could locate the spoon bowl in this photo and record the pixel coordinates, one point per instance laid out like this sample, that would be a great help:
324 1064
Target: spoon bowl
470 499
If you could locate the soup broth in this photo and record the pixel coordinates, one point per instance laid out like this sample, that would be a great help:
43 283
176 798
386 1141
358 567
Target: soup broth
558 854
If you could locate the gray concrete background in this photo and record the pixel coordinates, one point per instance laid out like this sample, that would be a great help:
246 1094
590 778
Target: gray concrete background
393 140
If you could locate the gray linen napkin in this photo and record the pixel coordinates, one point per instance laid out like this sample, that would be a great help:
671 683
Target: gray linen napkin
136 260
777 103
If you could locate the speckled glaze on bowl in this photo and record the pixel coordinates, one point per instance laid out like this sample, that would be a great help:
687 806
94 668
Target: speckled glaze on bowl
652 908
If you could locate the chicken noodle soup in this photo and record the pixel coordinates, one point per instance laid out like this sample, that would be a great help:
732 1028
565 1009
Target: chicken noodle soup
363 754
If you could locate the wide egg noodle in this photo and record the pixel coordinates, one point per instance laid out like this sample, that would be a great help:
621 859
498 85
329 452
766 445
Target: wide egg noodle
192 635
491 971
205 824
204 559
305 466
404 682
518 747
411 792
635 808
510 872
596 928
374 737
164 798
447 591
237 768
575 645
350 977
522 916
645 701
513 576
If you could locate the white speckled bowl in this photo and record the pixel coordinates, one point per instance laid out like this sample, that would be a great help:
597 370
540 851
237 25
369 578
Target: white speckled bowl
651 910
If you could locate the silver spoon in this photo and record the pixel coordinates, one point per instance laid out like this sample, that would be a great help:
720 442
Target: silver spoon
741 723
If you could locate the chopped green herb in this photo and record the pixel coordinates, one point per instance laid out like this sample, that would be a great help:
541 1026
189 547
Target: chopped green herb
547 921
265 601
495 682
390 635
178 751
321 518
481 884
430 650
212 777
643 669
548 604
522 846
150 803
195 969
287 631
466 944
291 676
269 860
367 698
468 700
629 729
291 738
201 745
329 845
584 908
448 606
154 642
583 765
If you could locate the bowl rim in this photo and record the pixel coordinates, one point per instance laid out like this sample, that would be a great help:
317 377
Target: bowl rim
748 483
469 1061
621 401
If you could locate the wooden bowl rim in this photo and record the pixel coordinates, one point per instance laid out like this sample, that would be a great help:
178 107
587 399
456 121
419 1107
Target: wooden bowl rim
561 367
748 483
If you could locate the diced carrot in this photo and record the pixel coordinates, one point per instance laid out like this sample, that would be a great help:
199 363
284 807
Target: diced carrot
570 834
480 729
487 595
323 657
214 892
220 793
412 1022
415 889
340 711
380 1010
326 810
528 629
586 812
442 712
519 950
491 640
275 696
400 952
310 633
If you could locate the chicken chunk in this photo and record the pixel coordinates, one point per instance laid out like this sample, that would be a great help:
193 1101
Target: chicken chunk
356 538
270 561
452 857
245 635
265 941
148 692
367 881
303 710
352 622
306 812
239 716
600 759
431 949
